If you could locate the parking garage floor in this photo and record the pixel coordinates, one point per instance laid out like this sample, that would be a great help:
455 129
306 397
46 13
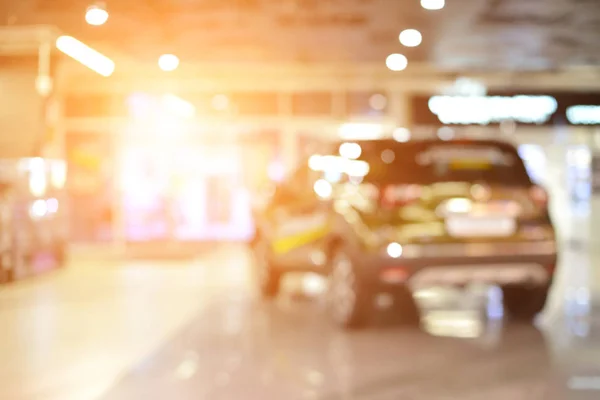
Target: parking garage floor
103 329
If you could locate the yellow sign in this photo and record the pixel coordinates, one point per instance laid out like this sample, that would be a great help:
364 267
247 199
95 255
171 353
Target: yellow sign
478 164
292 242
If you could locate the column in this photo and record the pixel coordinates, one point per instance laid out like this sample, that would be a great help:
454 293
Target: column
338 106
289 148
399 108
288 135
594 218
44 87
118 219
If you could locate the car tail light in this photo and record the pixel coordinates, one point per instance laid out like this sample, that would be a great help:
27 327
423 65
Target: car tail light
394 275
539 196
394 196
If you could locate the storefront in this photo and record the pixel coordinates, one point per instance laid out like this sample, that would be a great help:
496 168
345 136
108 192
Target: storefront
556 133
193 187
184 168
90 185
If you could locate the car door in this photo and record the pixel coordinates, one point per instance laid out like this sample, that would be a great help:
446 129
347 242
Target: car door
300 220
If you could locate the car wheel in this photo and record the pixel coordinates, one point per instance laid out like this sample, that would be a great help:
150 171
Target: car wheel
524 303
349 300
269 278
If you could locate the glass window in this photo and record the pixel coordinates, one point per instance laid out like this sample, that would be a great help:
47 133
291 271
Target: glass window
310 104
210 103
428 162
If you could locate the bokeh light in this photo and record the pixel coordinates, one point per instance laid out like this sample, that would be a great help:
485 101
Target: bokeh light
410 37
378 102
433 4
323 189
168 62
401 135
396 62
445 133
96 15
350 150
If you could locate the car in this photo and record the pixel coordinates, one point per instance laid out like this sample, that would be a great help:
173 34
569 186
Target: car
384 216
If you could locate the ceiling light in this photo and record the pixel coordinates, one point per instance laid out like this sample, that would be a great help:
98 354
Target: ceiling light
85 55
468 110
96 15
410 37
168 62
396 62
433 4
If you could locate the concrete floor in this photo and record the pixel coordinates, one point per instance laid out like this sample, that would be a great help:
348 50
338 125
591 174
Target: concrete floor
111 330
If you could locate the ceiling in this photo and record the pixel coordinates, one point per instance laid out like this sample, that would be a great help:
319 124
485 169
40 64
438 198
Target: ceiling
519 34
466 34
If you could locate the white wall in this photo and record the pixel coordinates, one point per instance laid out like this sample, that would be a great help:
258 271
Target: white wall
21 121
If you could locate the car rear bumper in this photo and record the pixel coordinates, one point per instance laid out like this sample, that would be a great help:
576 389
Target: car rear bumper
476 250
463 263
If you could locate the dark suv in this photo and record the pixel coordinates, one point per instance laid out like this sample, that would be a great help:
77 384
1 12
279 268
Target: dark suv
389 217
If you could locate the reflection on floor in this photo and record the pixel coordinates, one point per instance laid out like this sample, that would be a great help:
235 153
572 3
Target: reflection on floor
196 330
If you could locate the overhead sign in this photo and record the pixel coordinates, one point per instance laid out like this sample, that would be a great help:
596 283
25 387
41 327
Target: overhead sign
552 108
466 87
471 110
584 115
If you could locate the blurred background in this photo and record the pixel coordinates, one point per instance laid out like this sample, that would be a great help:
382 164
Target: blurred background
139 130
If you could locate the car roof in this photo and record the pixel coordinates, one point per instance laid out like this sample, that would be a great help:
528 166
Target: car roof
420 143
434 141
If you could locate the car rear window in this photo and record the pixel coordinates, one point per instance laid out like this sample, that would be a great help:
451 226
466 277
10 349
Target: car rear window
436 161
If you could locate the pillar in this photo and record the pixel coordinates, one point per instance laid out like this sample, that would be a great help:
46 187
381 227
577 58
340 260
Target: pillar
338 106
118 217
399 108
288 134
594 218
